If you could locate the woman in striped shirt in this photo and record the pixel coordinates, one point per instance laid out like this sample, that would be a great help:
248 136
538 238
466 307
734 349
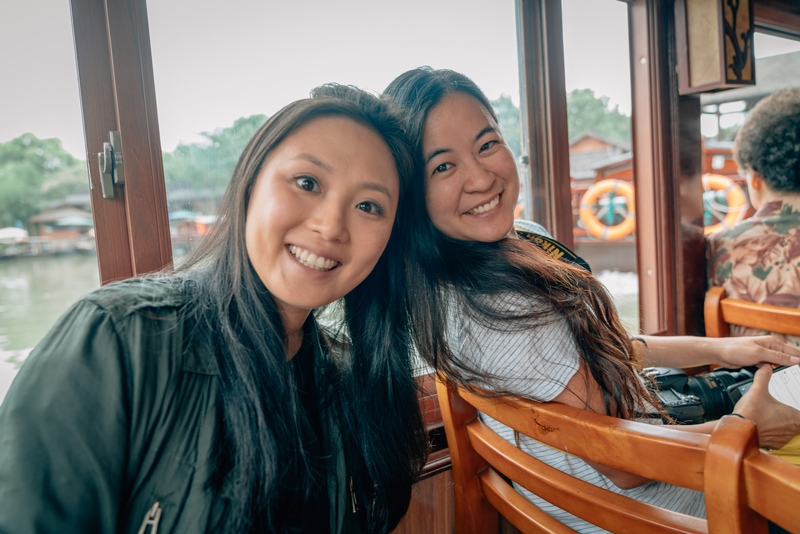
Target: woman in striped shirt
521 322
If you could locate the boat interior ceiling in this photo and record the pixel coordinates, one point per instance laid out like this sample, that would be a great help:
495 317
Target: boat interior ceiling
633 193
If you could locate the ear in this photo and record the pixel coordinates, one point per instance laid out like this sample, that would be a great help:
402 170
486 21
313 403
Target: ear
756 181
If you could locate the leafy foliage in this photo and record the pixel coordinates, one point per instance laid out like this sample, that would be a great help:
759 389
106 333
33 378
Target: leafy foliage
585 111
34 171
508 116
208 165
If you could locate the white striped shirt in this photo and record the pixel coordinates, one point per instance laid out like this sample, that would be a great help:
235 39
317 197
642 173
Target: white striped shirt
536 360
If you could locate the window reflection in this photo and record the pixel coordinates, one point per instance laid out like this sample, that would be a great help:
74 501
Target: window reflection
777 66
222 69
47 246
596 60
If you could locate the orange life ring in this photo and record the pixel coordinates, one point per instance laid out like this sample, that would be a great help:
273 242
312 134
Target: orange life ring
593 225
734 195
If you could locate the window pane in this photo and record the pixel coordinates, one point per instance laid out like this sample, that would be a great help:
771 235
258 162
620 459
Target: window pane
221 69
777 66
47 248
597 68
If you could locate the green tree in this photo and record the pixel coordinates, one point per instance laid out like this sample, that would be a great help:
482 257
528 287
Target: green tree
33 172
508 116
208 165
585 111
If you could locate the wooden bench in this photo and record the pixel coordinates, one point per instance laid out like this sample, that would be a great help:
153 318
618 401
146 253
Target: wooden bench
482 462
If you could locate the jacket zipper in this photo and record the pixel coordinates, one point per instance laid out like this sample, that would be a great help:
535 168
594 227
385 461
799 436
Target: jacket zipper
151 519
352 497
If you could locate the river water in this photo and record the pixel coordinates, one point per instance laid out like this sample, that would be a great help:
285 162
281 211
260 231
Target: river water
35 291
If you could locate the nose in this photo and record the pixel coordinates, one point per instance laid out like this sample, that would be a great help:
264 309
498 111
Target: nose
329 220
478 178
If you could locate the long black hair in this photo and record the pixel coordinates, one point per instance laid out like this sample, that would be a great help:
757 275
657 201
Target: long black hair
371 390
466 272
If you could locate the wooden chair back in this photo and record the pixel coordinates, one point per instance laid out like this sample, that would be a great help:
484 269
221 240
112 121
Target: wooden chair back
721 311
771 486
482 461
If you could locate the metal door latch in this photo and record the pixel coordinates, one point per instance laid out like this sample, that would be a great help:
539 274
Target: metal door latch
109 160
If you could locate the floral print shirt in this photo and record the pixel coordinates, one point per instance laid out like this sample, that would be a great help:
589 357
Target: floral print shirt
758 260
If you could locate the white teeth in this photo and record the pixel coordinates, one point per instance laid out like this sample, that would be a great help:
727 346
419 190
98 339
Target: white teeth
486 207
309 259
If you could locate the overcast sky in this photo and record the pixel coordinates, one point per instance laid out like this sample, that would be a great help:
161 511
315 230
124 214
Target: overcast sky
217 61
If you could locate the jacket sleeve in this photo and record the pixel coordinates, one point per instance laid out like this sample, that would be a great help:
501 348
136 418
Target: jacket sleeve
64 430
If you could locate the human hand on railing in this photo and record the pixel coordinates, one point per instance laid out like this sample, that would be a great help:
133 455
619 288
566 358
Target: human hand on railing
777 423
736 352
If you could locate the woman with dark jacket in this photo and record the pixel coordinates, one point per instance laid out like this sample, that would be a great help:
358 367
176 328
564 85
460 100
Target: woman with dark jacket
213 399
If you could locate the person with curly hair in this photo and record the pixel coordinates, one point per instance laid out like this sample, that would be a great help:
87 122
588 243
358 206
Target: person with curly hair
758 259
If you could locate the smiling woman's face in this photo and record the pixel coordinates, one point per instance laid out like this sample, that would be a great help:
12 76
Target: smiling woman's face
321 213
471 178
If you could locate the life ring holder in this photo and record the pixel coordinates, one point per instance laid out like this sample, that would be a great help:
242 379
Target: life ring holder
593 225
734 195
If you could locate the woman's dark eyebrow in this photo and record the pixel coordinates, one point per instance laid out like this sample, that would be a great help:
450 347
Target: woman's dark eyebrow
434 153
488 129
315 161
374 186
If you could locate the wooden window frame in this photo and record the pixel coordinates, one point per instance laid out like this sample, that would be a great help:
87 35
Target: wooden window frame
667 170
117 93
543 97
667 166
666 147
777 17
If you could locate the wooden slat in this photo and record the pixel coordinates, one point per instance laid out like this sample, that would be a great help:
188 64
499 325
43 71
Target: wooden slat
773 489
715 325
606 440
761 316
474 514
721 311
599 506
518 510
726 501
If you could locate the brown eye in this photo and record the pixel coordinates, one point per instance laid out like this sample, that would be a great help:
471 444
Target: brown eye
307 183
370 207
442 168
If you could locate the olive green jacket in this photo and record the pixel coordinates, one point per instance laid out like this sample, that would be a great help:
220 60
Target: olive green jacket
109 425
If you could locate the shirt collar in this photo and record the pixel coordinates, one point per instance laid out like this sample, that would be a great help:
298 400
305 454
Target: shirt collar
769 208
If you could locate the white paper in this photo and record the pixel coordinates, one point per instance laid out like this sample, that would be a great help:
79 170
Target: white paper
785 386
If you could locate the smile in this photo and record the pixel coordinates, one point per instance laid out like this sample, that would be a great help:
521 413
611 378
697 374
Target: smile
309 259
485 207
